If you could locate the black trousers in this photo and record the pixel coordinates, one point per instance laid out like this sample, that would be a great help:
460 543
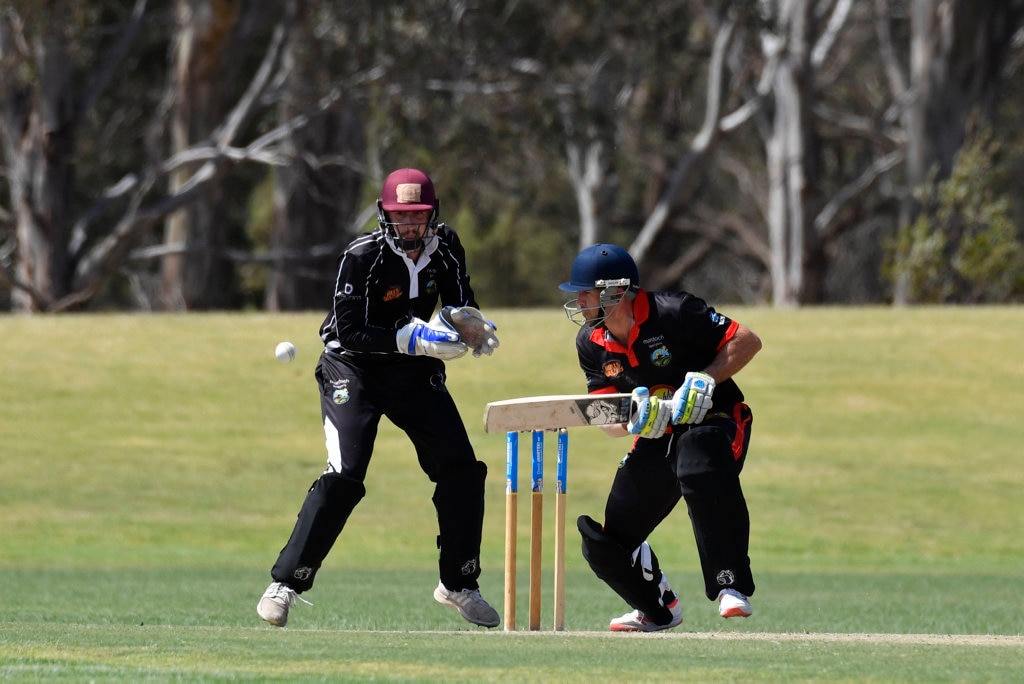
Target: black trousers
700 464
411 393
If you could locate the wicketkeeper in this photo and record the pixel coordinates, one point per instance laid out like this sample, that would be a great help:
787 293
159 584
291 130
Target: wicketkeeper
384 354
690 429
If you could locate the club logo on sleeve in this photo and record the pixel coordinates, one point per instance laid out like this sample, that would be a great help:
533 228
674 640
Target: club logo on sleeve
613 369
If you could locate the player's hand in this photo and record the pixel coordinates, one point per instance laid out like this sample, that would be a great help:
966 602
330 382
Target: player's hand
428 339
474 329
693 400
648 416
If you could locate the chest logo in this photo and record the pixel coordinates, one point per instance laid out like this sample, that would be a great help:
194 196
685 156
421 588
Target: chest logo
431 286
392 294
661 356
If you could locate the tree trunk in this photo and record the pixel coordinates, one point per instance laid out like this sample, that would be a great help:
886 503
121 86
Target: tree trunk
790 154
586 171
39 133
313 204
198 277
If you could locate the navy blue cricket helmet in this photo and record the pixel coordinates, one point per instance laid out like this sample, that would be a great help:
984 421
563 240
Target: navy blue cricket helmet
602 265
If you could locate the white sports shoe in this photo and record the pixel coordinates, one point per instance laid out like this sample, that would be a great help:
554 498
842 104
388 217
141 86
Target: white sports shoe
638 622
732 603
275 602
470 604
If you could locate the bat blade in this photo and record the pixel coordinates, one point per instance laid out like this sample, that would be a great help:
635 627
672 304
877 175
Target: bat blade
556 411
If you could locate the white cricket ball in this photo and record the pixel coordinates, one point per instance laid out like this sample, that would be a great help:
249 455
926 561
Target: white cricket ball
285 352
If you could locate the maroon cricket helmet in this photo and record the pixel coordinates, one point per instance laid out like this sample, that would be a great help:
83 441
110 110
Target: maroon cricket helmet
408 190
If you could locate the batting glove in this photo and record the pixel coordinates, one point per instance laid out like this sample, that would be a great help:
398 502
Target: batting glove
648 416
427 339
693 400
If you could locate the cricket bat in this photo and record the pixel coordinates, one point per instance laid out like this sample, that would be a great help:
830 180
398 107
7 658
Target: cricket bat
556 411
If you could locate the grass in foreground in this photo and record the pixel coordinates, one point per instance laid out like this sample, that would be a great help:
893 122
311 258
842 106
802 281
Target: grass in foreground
153 466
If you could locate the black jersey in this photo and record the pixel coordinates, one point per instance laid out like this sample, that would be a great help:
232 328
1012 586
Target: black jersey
673 333
379 290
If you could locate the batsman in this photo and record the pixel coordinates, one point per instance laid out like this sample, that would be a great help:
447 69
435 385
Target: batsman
690 430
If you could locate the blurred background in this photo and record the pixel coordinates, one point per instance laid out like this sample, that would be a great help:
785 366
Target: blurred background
184 155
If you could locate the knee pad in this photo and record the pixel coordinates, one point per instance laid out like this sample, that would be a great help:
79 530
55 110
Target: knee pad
634 576
608 557
323 515
328 504
336 492
601 551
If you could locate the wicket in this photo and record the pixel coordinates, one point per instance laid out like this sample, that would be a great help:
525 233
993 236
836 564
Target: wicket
536 526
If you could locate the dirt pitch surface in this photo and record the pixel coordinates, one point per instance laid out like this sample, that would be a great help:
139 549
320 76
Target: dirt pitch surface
896 639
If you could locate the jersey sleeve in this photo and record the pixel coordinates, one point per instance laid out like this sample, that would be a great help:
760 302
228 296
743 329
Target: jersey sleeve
348 323
700 325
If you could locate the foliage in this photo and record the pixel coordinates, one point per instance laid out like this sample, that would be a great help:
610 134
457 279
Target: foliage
965 246
495 100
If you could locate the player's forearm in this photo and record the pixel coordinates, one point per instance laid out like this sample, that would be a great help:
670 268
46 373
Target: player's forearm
618 430
736 354
357 336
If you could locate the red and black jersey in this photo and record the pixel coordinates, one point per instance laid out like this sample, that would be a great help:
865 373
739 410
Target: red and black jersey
673 333
378 290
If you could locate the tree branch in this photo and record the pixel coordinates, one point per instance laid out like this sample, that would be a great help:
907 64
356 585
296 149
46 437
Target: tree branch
105 74
243 109
699 148
825 221
96 265
828 37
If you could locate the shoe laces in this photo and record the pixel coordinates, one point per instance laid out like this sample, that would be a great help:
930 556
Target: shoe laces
639 617
285 593
733 593
465 596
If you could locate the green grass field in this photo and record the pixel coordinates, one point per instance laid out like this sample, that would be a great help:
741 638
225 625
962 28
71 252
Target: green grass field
152 467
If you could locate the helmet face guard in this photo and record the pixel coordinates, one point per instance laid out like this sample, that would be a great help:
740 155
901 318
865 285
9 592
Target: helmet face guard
603 267
407 190
394 237
612 292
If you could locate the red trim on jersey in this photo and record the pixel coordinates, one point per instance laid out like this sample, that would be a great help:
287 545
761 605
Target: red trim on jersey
729 334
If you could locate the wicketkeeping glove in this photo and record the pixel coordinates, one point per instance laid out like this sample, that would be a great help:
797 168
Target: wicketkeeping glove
473 328
648 416
693 400
429 339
